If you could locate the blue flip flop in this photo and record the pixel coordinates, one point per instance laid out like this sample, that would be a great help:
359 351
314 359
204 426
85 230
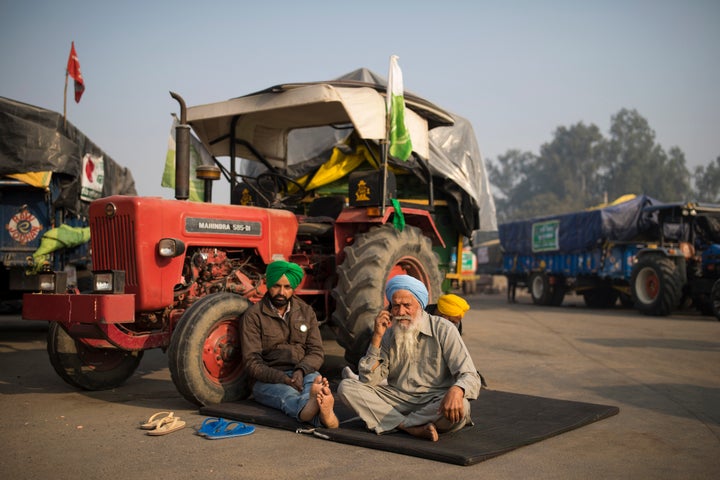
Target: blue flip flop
211 425
229 430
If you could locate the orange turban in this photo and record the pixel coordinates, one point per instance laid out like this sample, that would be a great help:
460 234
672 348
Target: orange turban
452 305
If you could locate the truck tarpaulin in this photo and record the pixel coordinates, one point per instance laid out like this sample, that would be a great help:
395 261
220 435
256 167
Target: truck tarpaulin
578 231
34 139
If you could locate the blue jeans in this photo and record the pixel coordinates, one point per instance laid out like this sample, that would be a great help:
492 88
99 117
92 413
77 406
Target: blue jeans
285 398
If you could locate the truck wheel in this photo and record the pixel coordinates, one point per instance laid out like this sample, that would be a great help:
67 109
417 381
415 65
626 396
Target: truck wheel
87 367
540 289
204 355
715 299
656 285
374 258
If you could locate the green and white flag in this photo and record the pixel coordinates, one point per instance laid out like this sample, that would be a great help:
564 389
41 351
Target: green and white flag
398 135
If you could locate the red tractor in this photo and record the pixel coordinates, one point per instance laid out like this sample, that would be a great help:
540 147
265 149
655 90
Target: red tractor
178 275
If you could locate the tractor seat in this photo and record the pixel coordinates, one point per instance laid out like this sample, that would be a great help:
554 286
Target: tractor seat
322 213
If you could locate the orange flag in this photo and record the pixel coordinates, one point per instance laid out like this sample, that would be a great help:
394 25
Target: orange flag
73 69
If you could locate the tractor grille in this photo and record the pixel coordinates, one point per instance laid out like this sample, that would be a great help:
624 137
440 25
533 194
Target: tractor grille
114 246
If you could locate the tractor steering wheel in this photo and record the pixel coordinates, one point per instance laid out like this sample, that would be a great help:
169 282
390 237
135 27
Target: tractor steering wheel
277 186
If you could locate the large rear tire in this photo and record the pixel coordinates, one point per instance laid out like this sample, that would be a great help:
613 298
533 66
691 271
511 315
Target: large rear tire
374 258
656 285
87 367
204 355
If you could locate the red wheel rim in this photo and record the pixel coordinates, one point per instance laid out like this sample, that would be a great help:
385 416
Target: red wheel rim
221 352
652 286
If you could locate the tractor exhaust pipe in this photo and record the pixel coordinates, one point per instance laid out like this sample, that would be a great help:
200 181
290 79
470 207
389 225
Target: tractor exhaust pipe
182 152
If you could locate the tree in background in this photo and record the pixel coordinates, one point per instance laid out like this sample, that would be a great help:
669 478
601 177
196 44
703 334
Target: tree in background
707 182
634 163
580 168
569 165
510 176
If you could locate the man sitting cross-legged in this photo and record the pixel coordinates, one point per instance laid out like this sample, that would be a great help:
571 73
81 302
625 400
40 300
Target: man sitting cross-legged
430 375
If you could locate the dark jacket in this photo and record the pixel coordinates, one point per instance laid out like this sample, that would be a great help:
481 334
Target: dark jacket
272 345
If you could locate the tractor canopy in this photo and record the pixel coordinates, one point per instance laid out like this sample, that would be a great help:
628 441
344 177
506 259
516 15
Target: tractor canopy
319 132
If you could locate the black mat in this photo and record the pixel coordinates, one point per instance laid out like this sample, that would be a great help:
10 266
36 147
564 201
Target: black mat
504 421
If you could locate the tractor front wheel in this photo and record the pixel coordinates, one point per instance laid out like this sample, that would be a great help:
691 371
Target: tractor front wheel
88 367
204 355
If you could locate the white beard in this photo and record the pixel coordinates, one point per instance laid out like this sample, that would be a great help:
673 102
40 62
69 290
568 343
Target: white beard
406 341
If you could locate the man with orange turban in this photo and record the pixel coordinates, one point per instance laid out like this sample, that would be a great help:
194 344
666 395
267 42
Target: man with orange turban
453 308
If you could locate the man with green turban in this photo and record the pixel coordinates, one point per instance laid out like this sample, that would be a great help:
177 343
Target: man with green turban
282 350
292 271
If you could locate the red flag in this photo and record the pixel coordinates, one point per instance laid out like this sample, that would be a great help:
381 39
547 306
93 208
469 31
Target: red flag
73 69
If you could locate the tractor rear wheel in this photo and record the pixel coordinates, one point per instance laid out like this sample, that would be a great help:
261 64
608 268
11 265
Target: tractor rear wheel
374 258
88 367
204 355
656 285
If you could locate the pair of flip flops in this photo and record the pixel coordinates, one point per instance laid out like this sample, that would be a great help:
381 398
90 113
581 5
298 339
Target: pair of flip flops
162 423
216 428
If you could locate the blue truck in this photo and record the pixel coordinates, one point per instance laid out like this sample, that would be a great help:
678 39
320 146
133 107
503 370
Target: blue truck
49 173
643 252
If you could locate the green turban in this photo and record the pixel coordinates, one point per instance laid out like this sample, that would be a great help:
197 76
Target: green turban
277 269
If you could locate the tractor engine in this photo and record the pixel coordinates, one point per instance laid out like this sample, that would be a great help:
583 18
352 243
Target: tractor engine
212 270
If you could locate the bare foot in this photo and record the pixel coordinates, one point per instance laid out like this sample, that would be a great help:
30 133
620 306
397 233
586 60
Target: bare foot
327 415
312 407
422 431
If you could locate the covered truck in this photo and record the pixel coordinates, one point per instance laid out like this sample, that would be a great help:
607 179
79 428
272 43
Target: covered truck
591 252
652 255
49 173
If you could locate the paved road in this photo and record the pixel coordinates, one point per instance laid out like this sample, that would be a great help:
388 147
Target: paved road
663 373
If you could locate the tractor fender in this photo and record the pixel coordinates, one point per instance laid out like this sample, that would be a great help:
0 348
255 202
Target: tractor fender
360 220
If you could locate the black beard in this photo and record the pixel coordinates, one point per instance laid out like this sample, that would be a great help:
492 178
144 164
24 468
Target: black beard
279 301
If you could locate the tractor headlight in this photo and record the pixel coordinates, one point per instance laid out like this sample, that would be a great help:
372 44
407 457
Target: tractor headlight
170 247
52 282
109 281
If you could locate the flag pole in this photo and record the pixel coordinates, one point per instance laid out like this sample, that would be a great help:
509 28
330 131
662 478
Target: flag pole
65 100
385 144
384 155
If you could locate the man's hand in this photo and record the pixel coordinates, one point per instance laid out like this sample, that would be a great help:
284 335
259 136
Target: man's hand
452 406
382 322
296 381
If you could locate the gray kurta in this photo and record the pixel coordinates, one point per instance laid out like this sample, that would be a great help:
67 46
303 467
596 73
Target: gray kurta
415 389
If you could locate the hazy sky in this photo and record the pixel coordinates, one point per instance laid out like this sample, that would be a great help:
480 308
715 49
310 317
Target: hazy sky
516 69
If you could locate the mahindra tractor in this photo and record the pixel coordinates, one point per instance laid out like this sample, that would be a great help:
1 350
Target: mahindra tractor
309 183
